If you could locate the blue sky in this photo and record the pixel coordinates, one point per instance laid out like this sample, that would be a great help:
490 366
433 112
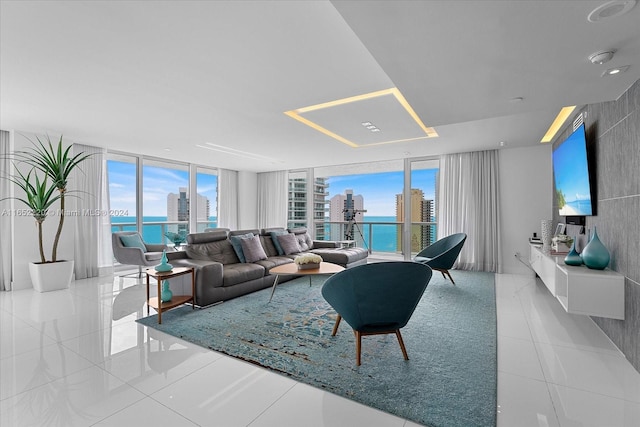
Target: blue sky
379 189
158 182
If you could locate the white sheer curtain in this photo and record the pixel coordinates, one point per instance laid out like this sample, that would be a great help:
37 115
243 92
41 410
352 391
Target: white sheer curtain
228 199
5 213
272 199
92 247
469 203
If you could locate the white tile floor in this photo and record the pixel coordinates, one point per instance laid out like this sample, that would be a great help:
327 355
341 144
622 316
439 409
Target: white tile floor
65 361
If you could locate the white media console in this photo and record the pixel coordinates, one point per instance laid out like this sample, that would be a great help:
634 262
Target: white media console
580 290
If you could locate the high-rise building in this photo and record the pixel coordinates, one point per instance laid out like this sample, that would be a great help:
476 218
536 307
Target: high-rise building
421 211
178 208
345 207
298 205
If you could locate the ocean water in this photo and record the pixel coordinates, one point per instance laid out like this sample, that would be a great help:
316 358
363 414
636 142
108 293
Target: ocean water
384 235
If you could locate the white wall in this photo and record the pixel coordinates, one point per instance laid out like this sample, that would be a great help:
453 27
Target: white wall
525 200
247 200
25 237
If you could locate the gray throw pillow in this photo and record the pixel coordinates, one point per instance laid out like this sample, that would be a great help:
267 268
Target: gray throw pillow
276 243
252 249
237 246
304 241
289 244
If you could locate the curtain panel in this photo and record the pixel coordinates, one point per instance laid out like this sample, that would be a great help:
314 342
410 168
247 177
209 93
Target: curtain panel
272 199
469 203
92 245
228 199
6 254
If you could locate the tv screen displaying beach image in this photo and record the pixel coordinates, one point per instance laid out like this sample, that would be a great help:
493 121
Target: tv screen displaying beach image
571 174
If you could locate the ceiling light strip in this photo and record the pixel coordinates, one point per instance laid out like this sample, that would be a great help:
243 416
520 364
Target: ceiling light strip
431 132
557 123
294 115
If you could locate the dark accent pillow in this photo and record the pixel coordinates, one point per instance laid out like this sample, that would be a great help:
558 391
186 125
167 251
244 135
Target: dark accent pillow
133 241
252 249
237 246
289 244
276 242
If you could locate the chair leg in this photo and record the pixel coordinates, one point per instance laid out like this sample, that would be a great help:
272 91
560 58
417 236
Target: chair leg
402 347
335 327
358 346
450 278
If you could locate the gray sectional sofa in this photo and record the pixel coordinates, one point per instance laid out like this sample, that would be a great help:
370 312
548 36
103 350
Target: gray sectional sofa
221 274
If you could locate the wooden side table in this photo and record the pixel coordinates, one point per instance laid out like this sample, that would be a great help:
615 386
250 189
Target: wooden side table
176 300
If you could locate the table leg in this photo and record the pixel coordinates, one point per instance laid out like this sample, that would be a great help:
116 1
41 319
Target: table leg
159 301
147 294
309 280
275 283
193 289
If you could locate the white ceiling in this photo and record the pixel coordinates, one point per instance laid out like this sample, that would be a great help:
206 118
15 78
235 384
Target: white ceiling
145 76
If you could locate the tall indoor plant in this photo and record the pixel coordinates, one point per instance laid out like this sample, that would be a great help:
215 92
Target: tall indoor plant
56 163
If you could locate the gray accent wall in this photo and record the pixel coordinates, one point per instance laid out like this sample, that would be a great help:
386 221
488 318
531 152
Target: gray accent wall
613 137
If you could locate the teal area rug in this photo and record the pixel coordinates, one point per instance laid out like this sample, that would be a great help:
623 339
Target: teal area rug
449 380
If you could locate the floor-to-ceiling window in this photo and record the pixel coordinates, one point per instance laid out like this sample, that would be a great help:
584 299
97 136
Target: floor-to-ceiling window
383 206
122 174
424 186
206 198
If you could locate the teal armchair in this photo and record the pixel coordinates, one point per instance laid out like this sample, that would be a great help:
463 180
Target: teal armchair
377 298
442 254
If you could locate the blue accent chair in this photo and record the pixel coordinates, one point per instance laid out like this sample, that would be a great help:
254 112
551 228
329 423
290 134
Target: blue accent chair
442 254
377 298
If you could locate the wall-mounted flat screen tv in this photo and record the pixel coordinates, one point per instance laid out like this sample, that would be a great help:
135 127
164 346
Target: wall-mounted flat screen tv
571 175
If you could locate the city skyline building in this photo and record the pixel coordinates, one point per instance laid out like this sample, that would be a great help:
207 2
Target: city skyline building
342 208
178 208
421 211
298 207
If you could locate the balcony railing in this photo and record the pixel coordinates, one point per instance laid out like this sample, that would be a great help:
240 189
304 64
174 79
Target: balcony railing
382 237
155 231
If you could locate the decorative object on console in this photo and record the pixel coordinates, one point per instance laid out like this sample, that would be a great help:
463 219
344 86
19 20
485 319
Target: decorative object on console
573 257
308 261
546 233
166 294
561 243
164 265
595 255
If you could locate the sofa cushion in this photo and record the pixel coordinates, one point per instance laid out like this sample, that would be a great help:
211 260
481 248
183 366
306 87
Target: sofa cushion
289 244
133 241
252 249
274 261
211 246
240 273
342 256
237 246
276 243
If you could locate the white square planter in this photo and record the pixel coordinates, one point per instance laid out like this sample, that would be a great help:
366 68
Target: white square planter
51 276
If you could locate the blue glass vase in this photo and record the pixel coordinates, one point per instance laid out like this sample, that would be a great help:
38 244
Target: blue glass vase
166 294
595 255
573 257
164 265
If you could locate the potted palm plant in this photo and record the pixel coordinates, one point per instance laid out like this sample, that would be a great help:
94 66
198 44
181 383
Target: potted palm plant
55 164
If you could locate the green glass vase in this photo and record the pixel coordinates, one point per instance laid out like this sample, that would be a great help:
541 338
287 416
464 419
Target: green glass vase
166 294
573 257
595 255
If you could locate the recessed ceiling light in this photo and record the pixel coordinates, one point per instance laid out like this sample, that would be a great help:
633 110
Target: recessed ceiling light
366 124
502 143
601 57
517 99
610 9
616 70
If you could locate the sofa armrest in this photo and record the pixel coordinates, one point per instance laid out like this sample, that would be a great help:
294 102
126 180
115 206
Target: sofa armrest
325 244
171 256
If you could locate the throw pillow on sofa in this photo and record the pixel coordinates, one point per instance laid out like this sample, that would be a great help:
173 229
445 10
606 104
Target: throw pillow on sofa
252 249
237 246
289 244
276 242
